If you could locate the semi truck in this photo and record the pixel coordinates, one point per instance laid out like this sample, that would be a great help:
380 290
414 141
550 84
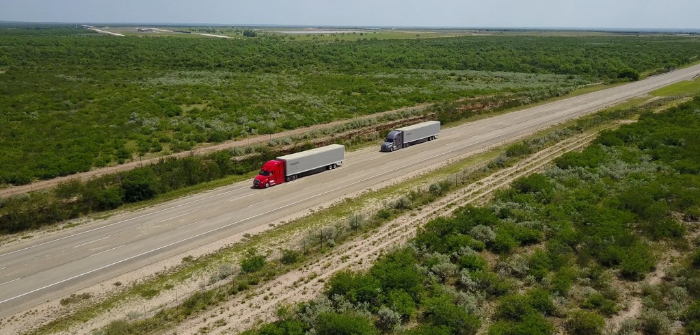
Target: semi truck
290 167
403 137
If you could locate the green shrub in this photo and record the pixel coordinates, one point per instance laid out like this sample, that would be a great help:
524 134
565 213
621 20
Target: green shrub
540 264
504 243
402 303
289 256
691 318
695 259
397 271
530 324
541 301
427 330
609 138
585 323
590 157
598 302
343 324
518 149
384 214
139 185
473 262
403 203
637 262
288 327
442 311
252 262
520 314
491 283
655 322
513 308
355 287
665 228
534 183
562 280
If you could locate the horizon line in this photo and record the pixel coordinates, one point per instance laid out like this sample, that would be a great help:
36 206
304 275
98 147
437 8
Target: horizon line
195 24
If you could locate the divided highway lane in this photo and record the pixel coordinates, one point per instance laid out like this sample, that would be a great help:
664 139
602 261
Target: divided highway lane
53 266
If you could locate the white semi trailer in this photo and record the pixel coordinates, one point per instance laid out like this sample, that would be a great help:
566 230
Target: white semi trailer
403 137
289 167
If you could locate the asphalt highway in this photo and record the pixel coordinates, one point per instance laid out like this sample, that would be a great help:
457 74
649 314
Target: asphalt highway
53 266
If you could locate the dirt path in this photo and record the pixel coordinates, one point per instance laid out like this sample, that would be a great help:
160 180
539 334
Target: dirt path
634 308
242 313
44 184
203 34
106 32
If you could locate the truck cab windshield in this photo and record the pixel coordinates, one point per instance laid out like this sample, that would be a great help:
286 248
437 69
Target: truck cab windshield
264 173
391 136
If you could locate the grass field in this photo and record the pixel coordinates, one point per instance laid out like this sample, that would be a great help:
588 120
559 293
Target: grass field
683 88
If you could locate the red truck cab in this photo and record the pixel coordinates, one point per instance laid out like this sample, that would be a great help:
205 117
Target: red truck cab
271 173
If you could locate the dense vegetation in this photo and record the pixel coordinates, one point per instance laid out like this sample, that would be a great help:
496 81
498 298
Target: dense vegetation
544 255
73 99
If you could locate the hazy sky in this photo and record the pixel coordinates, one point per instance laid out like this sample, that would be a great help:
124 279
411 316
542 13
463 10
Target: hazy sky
436 13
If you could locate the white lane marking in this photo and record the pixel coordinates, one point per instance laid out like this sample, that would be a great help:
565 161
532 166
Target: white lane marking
366 153
10 281
245 196
112 224
93 241
213 230
189 224
102 252
174 217
355 173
